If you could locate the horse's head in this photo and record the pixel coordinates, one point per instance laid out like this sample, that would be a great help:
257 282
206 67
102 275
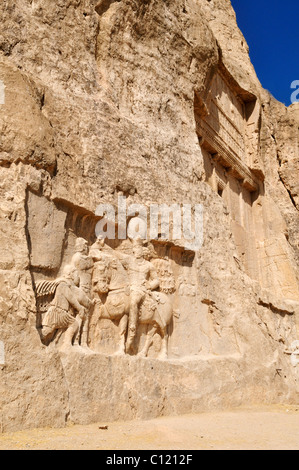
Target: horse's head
101 277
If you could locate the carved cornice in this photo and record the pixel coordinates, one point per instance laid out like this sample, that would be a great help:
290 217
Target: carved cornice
225 155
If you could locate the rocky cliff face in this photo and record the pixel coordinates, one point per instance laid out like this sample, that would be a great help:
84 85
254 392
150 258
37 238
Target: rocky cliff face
155 101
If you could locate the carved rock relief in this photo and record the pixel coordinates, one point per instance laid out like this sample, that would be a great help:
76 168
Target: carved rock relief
99 284
126 297
122 297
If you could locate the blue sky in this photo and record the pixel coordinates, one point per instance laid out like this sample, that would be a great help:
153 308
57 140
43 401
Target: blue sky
271 29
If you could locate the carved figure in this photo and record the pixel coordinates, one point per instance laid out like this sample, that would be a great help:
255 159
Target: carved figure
186 287
67 309
166 276
83 263
111 289
143 279
125 287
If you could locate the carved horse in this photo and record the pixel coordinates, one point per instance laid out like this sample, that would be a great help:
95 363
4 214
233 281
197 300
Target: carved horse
110 284
112 293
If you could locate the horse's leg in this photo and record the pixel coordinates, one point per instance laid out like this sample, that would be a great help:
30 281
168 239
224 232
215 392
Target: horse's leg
164 346
149 340
163 318
133 318
135 303
84 332
123 325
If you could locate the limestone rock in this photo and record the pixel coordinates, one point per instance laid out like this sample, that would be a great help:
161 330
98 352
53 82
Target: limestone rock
26 135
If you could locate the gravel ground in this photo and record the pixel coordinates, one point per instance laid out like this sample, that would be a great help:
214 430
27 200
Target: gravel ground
255 428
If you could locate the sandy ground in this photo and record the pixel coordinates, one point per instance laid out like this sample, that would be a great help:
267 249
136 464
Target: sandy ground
254 428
